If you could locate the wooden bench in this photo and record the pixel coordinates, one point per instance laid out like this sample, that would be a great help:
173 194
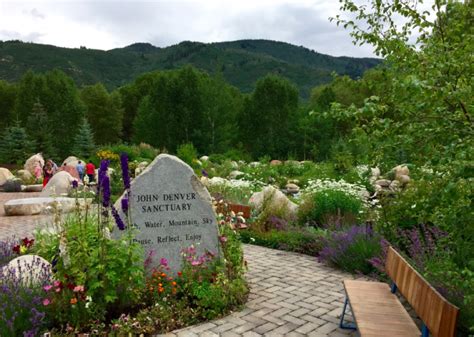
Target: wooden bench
377 311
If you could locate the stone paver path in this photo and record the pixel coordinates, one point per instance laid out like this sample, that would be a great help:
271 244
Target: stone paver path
291 294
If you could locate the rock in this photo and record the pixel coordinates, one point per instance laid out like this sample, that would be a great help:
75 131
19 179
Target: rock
274 199
275 162
172 210
204 158
395 186
25 176
32 161
197 162
235 174
205 181
33 188
71 160
403 179
5 175
12 185
401 170
383 182
218 181
140 167
293 181
254 164
375 173
59 184
42 205
69 169
292 188
234 164
28 269
241 162
293 162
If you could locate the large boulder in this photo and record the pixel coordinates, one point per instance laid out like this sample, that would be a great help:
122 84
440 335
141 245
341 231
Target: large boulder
403 179
12 185
42 205
276 162
383 182
5 175
59 184
28 270
71 160
401 170
274 199
32 162
25 176
292 188
375 173
69 169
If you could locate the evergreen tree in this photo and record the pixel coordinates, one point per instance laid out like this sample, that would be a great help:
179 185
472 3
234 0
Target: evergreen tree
83 146
38 128
7 103
15 145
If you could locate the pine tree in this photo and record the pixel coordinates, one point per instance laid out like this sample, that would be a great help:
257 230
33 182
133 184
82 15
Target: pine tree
40 131
83 145
15 145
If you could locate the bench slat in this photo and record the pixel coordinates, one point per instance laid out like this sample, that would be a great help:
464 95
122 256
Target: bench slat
437 313
377 311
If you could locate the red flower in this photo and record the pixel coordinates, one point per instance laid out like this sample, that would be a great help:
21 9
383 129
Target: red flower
16 249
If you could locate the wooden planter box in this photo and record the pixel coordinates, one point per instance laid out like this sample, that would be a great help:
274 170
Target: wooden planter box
236 208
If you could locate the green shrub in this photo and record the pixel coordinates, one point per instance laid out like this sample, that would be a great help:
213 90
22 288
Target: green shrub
187 153
296 240
330 207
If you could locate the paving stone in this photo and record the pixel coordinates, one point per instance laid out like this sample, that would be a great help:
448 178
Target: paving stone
262 329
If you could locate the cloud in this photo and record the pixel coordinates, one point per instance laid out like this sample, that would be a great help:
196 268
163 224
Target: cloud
112 24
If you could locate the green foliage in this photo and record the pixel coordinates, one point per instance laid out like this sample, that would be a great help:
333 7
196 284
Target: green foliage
40 131
187 153
15 145
111 271
83 145
330 207
7 103
104 113
293 240
267 117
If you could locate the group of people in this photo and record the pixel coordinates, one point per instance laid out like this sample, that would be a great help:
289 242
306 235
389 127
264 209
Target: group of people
86 172
88 169
46 171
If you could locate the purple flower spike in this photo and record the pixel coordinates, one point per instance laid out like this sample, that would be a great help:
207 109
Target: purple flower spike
104 166
124 203
125 173
75 184
105 191
118 219
204 173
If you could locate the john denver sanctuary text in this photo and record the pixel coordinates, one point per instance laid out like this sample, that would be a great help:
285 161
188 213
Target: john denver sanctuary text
165 207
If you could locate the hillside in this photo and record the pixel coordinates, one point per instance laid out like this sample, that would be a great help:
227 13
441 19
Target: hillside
242 62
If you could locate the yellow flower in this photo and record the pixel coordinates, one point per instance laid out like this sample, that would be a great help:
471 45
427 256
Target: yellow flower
23 249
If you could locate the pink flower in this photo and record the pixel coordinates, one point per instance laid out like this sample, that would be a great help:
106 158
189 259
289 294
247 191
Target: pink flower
78 289
46 302
223 238
47 287
196 263
57 283
164 262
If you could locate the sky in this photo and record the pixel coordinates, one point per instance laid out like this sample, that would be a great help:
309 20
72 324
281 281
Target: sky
108 24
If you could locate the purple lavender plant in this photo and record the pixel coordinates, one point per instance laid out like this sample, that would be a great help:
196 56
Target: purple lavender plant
118 219
6 250
105 185
125 172
21 309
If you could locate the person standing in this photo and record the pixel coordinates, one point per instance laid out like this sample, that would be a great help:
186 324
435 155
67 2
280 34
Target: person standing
38 170
80 169
47 173
90 171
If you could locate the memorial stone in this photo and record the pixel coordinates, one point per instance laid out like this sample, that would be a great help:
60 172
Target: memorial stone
172 210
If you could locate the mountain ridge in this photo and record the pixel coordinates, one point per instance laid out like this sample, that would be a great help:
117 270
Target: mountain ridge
241 62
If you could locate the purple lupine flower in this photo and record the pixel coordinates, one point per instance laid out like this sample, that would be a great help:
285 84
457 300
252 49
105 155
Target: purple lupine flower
125 172
118 219
124 203
104 166
105 183
75 184
204 173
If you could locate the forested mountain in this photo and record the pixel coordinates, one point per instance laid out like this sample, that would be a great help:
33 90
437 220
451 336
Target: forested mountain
242 62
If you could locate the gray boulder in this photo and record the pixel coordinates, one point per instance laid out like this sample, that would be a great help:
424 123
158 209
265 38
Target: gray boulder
5 175
274 199
59 184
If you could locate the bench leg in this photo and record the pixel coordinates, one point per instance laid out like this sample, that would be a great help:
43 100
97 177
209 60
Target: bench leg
342 324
